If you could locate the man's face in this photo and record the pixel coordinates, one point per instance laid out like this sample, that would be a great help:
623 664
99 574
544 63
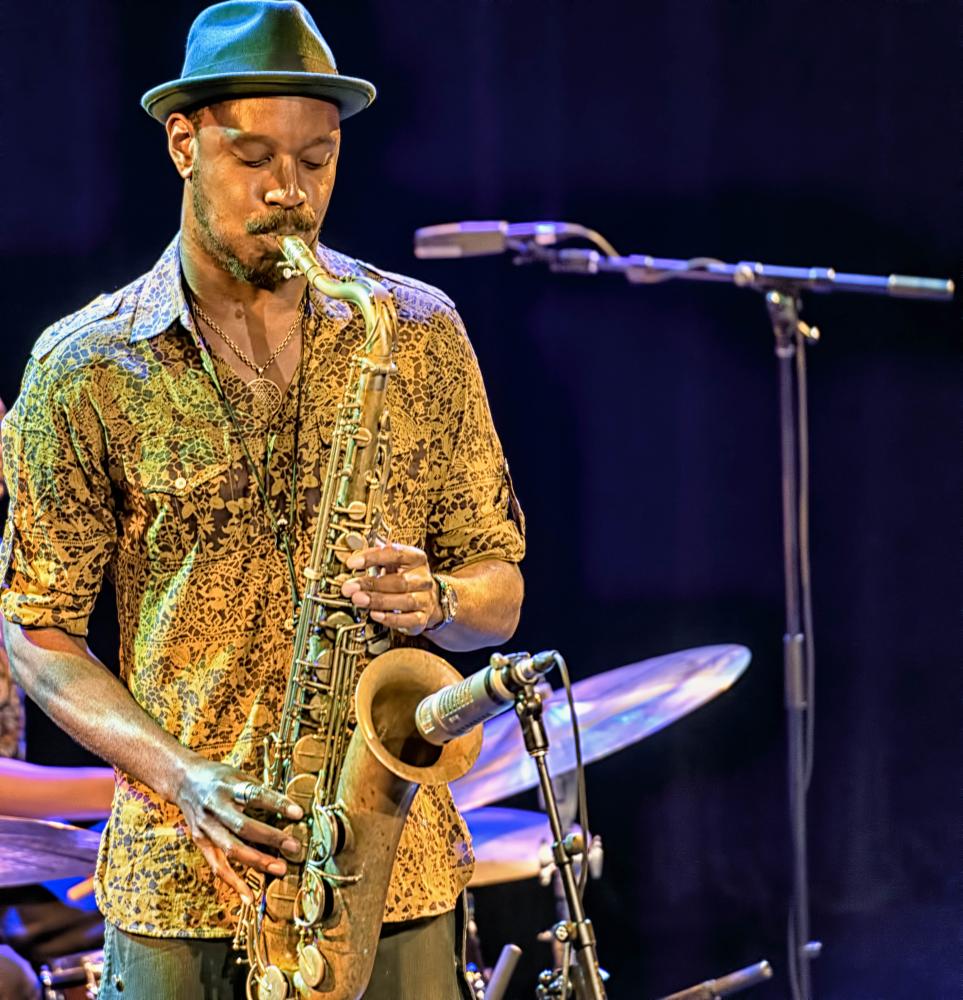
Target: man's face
262 167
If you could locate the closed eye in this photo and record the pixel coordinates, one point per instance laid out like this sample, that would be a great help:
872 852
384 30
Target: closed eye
313 165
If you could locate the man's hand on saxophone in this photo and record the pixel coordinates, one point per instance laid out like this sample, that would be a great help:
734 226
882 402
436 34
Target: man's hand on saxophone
61 674
214 798
402 594
479 603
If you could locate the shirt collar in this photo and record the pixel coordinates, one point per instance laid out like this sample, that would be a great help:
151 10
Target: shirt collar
162 302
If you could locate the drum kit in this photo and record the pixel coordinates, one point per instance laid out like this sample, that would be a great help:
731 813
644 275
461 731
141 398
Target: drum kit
34 851
613 710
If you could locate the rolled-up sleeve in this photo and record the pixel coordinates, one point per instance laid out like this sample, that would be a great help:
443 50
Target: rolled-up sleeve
473 511
61 530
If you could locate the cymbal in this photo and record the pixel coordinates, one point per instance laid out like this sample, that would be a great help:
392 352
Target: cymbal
614 709
35 850
506 844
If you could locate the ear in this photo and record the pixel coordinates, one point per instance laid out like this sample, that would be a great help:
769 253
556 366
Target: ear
181 144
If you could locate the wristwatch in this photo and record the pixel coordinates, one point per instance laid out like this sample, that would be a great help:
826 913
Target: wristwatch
447 602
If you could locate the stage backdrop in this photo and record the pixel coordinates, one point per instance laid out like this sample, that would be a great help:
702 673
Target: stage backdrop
640 423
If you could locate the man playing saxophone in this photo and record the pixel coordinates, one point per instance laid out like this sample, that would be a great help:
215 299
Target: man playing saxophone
173 434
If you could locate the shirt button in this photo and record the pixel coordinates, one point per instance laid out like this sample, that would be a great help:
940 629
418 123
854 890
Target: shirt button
179 483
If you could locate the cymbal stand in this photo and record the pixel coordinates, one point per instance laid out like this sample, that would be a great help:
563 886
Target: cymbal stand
584 973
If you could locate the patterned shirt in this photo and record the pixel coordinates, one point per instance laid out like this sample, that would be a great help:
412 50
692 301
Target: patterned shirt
120 458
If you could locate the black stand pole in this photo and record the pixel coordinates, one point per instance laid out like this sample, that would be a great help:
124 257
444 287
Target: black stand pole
577 930
792 336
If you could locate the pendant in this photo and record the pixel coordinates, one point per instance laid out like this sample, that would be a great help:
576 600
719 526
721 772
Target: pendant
266 394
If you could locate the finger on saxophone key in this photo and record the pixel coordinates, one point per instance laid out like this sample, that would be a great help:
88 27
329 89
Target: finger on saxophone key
267 799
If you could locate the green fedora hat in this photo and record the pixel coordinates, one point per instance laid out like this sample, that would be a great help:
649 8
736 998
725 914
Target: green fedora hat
256 48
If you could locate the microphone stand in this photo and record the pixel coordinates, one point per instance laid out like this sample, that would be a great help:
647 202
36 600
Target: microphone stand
782 287
577 930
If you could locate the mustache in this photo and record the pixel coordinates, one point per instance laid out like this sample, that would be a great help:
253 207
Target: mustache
279 220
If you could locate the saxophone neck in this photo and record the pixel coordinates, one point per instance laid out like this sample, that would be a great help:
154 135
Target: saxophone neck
370 296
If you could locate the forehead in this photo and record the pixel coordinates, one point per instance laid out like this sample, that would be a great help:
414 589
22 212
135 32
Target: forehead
283 119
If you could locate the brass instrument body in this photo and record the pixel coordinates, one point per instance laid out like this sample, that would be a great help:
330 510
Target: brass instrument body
314 932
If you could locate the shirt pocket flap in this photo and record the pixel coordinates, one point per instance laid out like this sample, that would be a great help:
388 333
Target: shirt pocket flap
177 464
178 481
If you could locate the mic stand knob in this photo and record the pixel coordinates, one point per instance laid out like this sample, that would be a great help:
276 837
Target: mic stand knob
564 931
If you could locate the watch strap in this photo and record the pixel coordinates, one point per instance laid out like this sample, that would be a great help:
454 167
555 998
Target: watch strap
447 602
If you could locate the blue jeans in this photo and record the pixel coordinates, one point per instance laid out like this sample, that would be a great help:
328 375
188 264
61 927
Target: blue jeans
416 960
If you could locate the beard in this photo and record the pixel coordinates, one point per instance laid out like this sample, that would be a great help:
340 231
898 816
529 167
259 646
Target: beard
263 272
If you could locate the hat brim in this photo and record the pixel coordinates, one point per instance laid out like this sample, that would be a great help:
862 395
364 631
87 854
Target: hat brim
349 93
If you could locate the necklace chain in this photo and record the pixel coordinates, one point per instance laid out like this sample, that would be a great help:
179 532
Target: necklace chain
275 354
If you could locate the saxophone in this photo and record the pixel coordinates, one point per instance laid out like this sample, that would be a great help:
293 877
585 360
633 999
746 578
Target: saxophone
314 932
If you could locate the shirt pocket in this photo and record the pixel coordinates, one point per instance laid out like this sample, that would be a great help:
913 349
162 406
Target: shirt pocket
190 498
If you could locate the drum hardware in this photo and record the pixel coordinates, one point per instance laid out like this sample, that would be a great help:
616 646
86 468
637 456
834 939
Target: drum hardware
73 977
509 845
485 983
36 850
613 710
475 971
503 971
735 982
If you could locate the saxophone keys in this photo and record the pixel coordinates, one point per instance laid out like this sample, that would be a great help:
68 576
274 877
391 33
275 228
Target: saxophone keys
379 642
356 510
301 789
308 754
317 709
272 984
279 898
340 619
298 832
354 540
311 965
330 833
315 901
319 659
362 437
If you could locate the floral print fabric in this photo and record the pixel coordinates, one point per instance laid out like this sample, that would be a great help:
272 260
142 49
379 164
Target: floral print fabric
120 459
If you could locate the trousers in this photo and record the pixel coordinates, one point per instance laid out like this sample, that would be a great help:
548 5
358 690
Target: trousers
416 960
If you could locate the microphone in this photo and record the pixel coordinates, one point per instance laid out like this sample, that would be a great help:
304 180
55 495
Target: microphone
479 239
458 708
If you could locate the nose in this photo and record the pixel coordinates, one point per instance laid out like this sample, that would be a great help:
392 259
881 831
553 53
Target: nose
288 193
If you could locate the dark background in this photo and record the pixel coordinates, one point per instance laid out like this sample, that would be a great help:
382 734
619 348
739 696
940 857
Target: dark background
640 422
